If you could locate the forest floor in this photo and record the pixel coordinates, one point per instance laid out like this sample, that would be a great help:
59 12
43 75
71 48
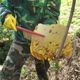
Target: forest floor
69 69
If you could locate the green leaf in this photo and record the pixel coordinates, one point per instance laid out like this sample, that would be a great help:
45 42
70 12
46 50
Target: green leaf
58 66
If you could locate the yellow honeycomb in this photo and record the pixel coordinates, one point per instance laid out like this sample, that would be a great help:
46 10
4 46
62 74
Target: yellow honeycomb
53 37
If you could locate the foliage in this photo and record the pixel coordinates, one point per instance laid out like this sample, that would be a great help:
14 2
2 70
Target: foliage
4 50
65 12
0 1
25 71
6 38
5 34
